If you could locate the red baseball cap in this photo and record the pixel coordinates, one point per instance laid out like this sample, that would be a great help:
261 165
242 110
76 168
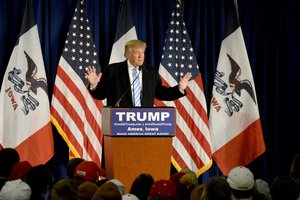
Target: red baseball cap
88 170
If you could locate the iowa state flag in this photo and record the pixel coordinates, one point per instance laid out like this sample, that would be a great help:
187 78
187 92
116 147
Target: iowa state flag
125 32
24 104
234 121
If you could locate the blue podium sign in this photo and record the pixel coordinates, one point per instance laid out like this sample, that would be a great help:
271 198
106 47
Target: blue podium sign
157 121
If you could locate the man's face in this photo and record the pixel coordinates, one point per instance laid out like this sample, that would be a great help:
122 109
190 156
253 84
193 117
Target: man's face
136 56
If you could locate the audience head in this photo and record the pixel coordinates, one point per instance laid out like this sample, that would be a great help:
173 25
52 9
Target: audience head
101 182
198 192
120 185
141 186
129 197
262 187
86 171
15 190
71 166
86 190
39 179
241 182
217 188
295 170
19 170
8 157
295 167
108 191
185 183
284 187
192 174
163 190
65 189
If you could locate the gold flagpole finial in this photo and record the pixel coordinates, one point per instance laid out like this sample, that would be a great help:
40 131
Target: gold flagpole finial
179 1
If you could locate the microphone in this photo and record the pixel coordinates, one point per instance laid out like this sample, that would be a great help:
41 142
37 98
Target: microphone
117 104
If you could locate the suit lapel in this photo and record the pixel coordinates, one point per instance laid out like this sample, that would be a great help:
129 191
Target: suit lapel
145 84
124 78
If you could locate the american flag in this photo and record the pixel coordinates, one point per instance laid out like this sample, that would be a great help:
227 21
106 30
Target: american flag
75 114
191 145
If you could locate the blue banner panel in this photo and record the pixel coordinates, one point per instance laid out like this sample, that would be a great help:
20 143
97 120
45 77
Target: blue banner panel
143 122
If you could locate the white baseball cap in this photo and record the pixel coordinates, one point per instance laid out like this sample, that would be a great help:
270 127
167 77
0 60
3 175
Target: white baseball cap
129 197
15 190
240 178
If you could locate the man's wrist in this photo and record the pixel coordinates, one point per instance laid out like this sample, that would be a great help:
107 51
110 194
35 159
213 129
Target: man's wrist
181 90
93 87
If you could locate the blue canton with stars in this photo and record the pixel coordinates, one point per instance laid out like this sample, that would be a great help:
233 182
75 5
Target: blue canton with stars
79 50
178 55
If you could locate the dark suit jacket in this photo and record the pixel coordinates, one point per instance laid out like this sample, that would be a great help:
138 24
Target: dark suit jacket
115 81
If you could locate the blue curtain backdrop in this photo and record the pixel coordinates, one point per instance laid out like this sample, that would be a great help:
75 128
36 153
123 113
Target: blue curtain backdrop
271 32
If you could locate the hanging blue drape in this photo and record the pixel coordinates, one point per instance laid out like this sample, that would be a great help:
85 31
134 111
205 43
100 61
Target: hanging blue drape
271 33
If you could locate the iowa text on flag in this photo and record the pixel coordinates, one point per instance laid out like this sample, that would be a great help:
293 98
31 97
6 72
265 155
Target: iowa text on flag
191 145
234 120
24 103
75 114
125 32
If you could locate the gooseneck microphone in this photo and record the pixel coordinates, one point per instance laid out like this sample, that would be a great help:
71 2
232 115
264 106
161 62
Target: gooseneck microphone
117 104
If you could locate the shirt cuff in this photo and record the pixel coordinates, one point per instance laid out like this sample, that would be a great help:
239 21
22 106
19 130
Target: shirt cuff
92 88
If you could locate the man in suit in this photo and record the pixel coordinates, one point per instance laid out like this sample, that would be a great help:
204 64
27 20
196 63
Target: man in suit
117 82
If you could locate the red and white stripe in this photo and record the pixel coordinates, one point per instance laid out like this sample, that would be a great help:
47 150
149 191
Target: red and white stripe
191 145
76 115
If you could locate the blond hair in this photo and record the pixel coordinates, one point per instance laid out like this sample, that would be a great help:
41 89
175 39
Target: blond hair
134 43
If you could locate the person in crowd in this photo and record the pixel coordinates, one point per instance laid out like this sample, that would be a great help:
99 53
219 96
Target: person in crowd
241 182
217 188
129 197
101 182
86 190
262 190
185 183
39 179
163 190
8 157
295 170
284 188
119 184
141 186
71 166
121 87
198 192
192 174
295 167
15 190
87 171
19 170
64 189
107 191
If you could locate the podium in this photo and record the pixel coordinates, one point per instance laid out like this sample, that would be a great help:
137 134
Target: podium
136 141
